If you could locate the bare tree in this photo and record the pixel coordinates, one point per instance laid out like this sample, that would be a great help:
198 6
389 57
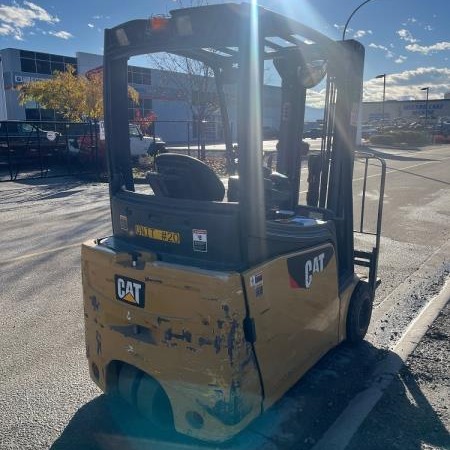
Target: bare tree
194 80
199 87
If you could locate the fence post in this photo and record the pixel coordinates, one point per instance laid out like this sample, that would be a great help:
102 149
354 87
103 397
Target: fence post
97 168
188 138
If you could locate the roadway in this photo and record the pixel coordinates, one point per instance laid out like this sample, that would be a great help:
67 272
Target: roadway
46 396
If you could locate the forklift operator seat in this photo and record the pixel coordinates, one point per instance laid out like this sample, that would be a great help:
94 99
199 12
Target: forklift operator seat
184 177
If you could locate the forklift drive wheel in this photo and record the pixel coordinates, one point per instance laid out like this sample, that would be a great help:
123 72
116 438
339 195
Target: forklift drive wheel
128 376
153 403
359 313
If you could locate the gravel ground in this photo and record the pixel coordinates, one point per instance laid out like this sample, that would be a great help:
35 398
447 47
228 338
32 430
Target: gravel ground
414 413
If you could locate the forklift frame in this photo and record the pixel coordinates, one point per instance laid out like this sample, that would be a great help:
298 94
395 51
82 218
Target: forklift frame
205 312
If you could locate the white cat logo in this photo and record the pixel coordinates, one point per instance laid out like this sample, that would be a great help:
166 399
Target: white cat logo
130 291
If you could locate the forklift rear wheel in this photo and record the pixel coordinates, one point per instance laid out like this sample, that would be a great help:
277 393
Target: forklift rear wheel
359 313
128 376
153 403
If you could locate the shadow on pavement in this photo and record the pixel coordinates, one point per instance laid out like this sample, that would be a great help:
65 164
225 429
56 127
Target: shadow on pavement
403 419
394 157
297 421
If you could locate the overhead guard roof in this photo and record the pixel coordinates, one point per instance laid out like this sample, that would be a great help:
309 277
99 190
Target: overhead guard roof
210 34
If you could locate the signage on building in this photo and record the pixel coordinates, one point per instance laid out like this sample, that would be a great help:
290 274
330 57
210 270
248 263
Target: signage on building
423 106
21 79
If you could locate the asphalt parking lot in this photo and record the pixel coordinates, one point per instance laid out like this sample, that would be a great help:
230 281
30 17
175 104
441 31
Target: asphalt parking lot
46 397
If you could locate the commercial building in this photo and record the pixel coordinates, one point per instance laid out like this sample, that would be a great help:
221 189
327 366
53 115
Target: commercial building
160 93
408 110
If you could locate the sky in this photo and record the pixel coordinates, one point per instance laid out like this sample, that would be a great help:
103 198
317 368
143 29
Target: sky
408 40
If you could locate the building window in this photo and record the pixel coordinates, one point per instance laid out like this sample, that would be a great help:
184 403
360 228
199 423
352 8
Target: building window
27 65
43 56
26 54
56 66
45 63
139 75
43 67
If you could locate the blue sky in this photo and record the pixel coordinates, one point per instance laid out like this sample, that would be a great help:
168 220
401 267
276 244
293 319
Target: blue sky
409 40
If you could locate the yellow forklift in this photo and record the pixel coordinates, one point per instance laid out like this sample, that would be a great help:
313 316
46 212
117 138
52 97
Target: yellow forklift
207 304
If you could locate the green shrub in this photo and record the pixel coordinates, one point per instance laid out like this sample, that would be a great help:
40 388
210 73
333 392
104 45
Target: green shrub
399 137
383 139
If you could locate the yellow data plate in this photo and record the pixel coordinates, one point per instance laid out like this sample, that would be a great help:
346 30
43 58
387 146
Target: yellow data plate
159 235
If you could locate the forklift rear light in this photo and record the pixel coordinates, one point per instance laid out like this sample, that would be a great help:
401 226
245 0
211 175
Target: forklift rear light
158 23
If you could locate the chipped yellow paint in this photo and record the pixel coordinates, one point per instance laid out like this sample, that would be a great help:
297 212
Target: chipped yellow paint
191 341
190 338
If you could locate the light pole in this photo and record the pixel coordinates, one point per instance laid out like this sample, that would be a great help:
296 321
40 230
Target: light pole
383 75
351 15
426 105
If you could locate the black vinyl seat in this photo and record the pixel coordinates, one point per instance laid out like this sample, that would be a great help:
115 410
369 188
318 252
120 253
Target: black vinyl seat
184 177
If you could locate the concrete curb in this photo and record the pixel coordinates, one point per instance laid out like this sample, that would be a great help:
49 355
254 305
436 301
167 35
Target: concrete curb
338 436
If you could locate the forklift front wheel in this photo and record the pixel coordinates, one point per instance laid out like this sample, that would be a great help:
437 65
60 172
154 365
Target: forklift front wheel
359 313
153 403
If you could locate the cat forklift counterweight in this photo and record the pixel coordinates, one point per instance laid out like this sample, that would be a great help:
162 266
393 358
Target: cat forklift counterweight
207 303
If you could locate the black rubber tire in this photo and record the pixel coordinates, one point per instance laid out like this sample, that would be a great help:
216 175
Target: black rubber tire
152 402
359 313
126 382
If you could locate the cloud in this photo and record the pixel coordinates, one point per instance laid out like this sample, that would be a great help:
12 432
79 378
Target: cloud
388 53
399 86
15 18
426 49
381 47
91 25
361 33
61 34
406 85
428 28
401 59
315 99
406 35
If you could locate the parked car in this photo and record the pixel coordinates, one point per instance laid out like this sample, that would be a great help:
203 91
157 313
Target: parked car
314 133
367 131
140 145
27 140
90 152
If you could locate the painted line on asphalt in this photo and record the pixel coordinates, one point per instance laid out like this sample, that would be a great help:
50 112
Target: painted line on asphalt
57 249
395 170
339 435
43 252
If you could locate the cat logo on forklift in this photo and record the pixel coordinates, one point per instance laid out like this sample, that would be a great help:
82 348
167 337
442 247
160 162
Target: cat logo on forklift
130 291
302 268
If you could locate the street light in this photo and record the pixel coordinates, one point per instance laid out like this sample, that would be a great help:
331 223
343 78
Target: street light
351 15
426 105
383 75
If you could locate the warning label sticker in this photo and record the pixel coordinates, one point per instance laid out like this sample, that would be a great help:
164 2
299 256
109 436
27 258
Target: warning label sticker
200 240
